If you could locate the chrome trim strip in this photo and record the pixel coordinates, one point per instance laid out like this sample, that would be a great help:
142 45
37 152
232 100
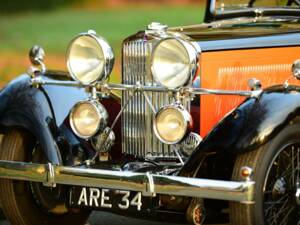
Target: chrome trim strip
148 184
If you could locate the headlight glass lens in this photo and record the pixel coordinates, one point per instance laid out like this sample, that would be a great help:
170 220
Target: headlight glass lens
173 63
87 118
89 58
171 124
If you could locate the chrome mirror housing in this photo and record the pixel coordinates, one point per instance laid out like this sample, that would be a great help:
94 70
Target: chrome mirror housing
296 69
36 56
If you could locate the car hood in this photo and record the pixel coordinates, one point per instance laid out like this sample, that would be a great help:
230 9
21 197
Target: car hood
240 27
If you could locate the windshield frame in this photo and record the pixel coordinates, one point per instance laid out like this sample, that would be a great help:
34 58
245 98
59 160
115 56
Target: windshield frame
213 14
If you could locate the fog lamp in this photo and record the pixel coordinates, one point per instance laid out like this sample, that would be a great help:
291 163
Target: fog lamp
87 118
172 123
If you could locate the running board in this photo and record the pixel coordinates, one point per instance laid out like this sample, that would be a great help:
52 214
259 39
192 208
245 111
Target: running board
148 184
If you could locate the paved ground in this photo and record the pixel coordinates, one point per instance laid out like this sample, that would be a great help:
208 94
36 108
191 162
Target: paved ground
110 219
99 218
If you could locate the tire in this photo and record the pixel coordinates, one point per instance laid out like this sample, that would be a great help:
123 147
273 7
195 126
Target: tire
18 201
275 182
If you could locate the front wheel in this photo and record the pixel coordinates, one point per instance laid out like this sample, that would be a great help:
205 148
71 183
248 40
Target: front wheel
23 203
276 172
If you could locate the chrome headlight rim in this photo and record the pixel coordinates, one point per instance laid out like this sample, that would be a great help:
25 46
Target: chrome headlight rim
101 111
188 121
107 51
190 49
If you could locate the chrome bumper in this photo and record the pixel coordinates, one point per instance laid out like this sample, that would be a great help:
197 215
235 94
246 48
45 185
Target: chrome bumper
148 184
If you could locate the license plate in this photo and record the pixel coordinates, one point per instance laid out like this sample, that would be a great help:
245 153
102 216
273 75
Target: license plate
97 198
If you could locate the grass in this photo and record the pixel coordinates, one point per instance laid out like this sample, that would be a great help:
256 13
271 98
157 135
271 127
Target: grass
53 30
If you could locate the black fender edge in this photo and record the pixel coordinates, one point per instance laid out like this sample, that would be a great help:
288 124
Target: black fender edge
252 124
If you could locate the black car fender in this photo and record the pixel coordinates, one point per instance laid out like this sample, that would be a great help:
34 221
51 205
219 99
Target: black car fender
252 124
41 111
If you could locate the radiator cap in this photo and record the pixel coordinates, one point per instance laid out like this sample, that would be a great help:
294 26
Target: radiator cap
156 26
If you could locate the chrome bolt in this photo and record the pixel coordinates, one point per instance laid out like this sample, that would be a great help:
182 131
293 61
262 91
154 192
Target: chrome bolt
246 173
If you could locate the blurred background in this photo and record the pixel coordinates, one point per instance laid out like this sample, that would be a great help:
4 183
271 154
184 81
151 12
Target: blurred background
53 23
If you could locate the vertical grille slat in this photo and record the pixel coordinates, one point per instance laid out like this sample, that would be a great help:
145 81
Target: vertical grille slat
137 133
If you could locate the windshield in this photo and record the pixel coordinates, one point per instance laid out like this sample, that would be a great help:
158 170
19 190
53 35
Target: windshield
224 5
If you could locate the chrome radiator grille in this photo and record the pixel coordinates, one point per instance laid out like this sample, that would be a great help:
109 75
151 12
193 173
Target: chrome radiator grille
138 137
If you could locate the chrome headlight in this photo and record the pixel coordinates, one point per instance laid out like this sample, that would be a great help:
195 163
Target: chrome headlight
172 123
89 58
174 62
87 118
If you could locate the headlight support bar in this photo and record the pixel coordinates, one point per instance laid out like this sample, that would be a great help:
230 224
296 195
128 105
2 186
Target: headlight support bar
106 88
112 126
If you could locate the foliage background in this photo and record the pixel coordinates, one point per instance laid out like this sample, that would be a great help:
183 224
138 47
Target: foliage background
53 23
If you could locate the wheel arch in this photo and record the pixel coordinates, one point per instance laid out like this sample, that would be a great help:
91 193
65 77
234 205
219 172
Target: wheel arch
40 111
252 124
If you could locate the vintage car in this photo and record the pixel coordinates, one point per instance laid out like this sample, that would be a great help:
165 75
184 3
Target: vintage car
204 127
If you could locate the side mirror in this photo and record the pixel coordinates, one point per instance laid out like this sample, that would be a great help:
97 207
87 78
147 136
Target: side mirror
296 69
36 56
254 84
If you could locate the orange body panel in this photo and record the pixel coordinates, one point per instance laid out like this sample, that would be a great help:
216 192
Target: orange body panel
230 70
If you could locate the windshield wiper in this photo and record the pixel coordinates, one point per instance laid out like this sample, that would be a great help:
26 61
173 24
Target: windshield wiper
290 2
251 3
